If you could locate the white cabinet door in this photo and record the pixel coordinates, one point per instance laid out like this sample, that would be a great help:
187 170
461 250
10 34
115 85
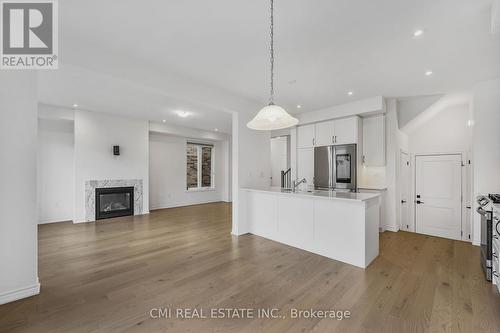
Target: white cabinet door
305 136
374 141
324 133
346 131
305 164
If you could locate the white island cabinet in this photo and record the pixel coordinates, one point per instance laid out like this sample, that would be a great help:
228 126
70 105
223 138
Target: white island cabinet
338 225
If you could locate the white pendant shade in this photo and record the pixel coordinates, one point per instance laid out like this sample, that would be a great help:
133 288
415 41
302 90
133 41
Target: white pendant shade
272 117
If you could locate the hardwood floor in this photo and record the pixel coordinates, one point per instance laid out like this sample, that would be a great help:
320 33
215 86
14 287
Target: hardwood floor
107 276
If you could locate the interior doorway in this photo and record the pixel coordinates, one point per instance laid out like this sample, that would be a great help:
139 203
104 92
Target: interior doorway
280 158
438 195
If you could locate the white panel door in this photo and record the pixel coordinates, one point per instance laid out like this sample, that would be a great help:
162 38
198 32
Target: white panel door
324 133
305 164
346 130
405 176
279 159
438 195
305 136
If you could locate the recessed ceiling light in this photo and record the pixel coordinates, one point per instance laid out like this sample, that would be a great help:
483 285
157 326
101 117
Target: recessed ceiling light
216 129
418 33
75 105
164 121
299 106
350 93
182 114
428 73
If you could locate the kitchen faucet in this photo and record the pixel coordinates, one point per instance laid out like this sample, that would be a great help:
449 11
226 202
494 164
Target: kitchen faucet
296 183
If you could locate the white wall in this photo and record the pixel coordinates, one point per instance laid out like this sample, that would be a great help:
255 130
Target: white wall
95 135
251 165
410 108
18 207
445 132
55 170
486 144
167 165
390 221
374 105
372 177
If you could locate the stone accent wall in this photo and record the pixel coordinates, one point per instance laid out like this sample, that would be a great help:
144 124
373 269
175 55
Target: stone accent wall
91 185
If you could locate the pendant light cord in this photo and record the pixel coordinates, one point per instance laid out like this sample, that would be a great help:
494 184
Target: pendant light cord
271 27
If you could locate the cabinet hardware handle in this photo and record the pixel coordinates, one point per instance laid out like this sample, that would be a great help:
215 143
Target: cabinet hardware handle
419 202
314 142
333 139
495 273
494 255
403 201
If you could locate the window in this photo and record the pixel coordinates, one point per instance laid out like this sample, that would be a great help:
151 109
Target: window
199 166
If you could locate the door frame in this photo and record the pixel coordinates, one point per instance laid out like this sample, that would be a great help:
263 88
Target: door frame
400 192
287 137
463 179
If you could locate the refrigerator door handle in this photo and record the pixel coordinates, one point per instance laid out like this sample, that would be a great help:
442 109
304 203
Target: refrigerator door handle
329 167
333 168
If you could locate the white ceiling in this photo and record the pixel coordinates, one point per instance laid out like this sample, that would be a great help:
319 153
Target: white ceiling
96 91
324 48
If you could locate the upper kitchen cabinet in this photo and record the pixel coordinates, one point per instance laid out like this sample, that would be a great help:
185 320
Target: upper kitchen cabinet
331 132
346 130
374 141
305 136
337 132
325 133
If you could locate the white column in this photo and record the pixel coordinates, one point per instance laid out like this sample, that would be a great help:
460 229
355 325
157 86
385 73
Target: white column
18 200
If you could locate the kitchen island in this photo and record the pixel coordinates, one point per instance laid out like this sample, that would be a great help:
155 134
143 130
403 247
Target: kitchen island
339 225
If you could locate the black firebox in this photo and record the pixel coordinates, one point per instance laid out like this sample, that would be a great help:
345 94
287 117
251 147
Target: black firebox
114 202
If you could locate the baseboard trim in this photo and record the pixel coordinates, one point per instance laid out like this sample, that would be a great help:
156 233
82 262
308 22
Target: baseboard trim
54 221
18 294
166 206
77 221
390 228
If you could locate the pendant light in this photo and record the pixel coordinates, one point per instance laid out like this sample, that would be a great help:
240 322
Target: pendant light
272 117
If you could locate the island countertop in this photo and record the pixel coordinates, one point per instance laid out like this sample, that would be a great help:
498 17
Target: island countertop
339 225
325 194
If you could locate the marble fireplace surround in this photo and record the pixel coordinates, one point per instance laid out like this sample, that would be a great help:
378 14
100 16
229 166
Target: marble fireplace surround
91 185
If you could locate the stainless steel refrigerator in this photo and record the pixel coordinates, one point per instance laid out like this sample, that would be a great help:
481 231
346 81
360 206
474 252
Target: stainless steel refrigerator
335 167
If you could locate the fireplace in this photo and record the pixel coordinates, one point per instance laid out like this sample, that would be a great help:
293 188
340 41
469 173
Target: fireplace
114 202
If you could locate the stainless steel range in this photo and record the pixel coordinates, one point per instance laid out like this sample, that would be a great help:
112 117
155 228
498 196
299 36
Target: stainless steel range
485 209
